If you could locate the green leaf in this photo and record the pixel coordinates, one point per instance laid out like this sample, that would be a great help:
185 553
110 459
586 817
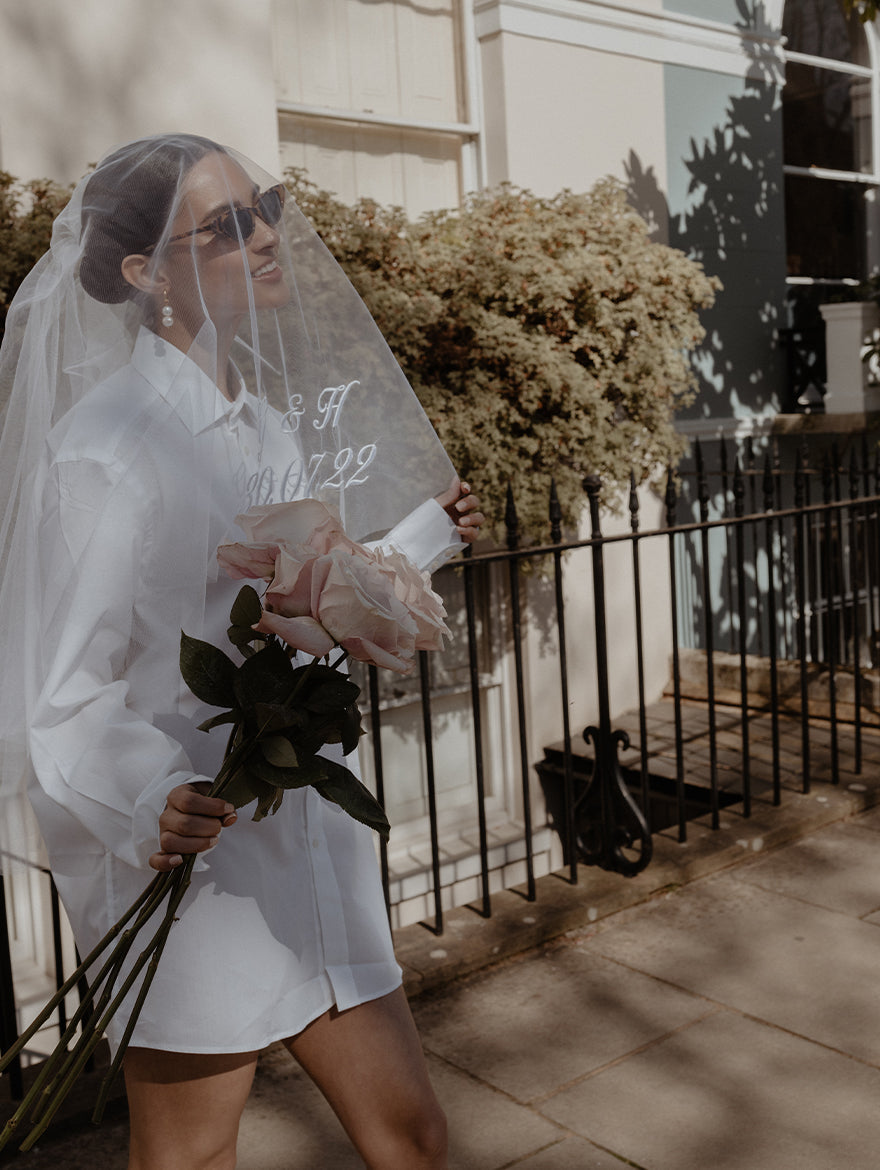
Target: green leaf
307 771
218 720
269 803
344 789
331 695
242 788
247 609
279 751
279 717
242 636
351 730
265 678
208 673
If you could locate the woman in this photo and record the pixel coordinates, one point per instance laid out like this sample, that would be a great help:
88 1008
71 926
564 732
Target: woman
187 348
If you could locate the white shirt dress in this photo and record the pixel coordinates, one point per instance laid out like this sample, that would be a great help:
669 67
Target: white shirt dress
285 917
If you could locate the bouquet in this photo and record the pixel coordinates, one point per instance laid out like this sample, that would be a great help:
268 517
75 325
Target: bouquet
323 594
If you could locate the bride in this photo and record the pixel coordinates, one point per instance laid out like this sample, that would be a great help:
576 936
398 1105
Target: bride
188 348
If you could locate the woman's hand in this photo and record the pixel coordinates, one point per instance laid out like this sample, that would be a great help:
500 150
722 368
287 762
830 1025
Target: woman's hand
191 823
463 508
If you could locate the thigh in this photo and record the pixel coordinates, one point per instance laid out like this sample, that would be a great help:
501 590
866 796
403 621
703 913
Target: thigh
185 1108
368 1063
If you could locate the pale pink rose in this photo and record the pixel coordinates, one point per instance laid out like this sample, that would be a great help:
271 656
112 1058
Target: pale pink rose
290 590
413 588
248 560
296 522
300 633
354 600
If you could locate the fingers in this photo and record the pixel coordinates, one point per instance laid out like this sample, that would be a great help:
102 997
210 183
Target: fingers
190 823
467 515
447 499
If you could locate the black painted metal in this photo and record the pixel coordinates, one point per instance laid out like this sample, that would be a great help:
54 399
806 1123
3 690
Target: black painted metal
671 501
708 630
379 772
512 524
772 610
477 716
568 770
739 512
425 689
621 826
640 650
829 570
8 1022
801 557
855 595
820 596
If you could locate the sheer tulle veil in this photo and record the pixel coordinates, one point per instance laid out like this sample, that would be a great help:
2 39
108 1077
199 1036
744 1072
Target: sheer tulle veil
312 362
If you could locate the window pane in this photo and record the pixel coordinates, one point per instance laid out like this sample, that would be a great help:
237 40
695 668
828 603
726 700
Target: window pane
826 119
820 28
825 228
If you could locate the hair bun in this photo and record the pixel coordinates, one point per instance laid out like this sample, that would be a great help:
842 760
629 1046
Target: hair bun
126 205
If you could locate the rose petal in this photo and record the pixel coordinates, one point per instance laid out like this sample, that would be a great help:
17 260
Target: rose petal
300 633
290 590
248 560
289 523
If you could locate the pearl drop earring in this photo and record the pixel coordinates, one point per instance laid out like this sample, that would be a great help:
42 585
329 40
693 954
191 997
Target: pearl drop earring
167 311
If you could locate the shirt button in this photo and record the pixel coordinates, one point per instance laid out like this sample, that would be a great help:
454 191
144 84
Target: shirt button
315 843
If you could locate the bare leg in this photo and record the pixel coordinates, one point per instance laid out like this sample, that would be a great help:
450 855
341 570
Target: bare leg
368 1063
185 1108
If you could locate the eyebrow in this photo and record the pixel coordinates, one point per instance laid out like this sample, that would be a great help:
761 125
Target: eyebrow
222 208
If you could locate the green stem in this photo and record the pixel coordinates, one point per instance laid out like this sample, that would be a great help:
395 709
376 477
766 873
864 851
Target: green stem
84 1050
60 1059
112 1072
74 979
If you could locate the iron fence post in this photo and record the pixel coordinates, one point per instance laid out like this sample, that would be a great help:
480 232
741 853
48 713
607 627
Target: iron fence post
621 824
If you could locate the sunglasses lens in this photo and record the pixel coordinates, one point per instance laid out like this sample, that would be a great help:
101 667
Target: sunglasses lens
270 206
237 224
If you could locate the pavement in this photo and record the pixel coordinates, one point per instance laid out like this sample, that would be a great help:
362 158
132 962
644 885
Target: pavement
720 1011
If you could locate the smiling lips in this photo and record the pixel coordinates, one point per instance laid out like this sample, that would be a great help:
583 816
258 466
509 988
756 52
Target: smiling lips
266 269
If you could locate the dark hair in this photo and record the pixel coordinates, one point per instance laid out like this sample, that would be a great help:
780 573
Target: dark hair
126 204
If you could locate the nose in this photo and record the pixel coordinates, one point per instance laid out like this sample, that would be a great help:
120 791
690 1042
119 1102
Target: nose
264 236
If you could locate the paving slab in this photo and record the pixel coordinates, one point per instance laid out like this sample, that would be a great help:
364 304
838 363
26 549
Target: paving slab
551 1017
571 1154
729 1093
795 965
487 1130
838 868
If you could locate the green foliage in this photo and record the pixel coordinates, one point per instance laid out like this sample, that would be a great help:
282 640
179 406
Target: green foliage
281 717
544 337
27 211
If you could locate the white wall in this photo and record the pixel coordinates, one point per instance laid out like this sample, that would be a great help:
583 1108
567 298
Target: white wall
562 115
77 78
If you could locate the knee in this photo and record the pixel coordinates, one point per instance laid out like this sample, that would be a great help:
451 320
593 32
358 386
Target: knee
428 1139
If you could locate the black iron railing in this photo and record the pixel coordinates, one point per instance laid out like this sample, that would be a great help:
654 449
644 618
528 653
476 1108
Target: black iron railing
755 565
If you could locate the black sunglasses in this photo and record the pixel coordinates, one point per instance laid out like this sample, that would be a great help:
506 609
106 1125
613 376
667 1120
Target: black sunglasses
239 223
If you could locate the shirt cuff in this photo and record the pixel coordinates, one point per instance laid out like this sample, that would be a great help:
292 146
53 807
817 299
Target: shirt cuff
427 536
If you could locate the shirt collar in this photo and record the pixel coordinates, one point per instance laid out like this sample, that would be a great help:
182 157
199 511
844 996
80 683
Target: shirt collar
185 387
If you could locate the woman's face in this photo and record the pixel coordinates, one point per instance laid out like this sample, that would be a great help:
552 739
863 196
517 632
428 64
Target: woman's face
208 273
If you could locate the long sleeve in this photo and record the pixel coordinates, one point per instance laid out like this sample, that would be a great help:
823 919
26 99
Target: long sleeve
96 752
427 537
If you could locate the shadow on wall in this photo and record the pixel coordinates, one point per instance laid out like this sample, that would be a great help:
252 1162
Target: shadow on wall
732 221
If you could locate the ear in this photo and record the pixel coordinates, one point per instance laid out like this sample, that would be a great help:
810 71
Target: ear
140 272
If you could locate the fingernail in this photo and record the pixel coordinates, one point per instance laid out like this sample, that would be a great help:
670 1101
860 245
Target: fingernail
228 808
175 859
